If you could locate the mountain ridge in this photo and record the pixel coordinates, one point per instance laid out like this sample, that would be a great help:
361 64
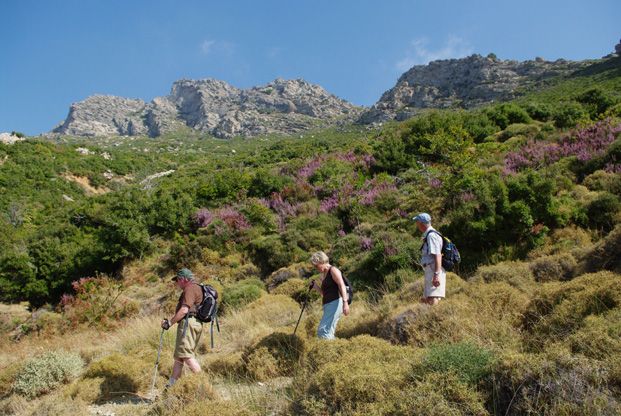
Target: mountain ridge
211 106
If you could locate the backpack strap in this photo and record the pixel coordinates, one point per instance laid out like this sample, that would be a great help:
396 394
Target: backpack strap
427 239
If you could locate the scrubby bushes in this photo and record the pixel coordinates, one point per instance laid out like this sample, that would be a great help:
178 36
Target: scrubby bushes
551 384
559 309
45 373
517 274
557 267
241 293
295 288
119 374
276 355
486 314
605 254
371 371
505 114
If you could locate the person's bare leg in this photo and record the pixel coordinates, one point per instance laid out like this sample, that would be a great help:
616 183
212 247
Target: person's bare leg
177 369
193 365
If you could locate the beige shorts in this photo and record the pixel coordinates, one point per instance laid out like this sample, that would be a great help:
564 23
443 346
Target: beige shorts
430 289
185 346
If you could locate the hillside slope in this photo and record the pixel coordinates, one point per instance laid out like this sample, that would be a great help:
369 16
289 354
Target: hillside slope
529 190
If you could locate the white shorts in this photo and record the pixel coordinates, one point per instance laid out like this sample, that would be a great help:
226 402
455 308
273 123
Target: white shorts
430 289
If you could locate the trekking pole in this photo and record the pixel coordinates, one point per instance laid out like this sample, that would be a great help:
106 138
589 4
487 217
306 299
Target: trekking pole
303 307
157 361
215 319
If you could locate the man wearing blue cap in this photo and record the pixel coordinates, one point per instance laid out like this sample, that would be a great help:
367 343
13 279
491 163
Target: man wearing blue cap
431 260
189 329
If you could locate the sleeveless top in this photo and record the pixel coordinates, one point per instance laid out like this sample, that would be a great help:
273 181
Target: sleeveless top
329 288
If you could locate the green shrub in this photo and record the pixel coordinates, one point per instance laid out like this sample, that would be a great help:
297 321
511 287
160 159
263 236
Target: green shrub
563 240
269 253
539 111
601 180
505 114
391 251
242 293
469 362
45 373
557 267
518 130
295 288
569 115
603 211
596 101
276 355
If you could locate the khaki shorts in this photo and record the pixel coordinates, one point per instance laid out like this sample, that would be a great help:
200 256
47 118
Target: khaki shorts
185 346
430 289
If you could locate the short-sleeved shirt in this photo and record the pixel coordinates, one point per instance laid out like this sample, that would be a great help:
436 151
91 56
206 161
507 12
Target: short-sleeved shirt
192 296
428 252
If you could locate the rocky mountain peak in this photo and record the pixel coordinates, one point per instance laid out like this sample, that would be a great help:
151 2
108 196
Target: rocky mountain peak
213 106
467 82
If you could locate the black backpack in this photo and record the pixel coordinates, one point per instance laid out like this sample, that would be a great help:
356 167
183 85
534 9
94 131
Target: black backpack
450 253
349 289
207 310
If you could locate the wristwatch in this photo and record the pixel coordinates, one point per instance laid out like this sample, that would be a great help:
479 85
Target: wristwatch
436 272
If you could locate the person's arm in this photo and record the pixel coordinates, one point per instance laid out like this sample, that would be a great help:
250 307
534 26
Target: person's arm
435 249
317 287
437 269
338 279
179 315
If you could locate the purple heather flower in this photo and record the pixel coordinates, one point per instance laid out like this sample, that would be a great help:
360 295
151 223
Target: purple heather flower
366 243
613 168
585 144
435 183
203 217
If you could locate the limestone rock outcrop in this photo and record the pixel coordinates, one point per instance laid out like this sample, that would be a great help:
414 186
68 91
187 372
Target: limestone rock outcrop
214 107
463 83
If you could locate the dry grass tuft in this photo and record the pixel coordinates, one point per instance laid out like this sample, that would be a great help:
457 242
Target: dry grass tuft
276 355
556 267
552 384
517 274
559 309
258 319
371 371
121 374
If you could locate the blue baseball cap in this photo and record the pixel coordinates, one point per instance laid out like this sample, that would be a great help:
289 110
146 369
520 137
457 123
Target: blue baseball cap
423 217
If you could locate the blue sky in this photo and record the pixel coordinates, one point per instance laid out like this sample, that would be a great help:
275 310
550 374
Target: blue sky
54 53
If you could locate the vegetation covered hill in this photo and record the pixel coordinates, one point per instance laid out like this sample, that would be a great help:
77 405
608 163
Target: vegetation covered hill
529 190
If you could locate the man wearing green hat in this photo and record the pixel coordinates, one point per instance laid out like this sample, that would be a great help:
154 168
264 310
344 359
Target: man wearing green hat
189 329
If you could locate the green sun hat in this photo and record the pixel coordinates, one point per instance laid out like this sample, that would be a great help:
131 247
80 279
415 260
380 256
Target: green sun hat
184 273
